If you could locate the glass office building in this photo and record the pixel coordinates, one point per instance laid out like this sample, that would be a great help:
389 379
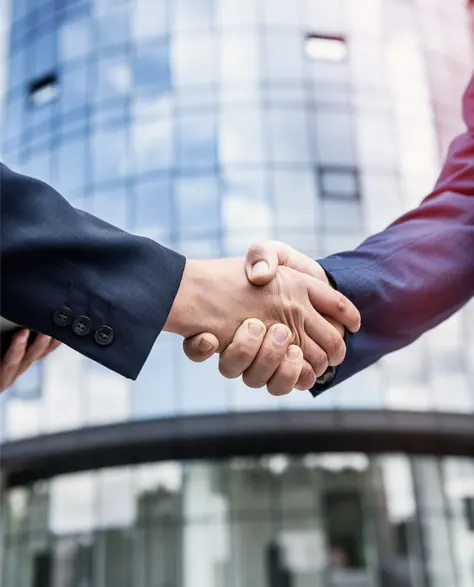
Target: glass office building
206 125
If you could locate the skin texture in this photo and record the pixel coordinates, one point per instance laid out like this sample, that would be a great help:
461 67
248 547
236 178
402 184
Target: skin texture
20 356
291 288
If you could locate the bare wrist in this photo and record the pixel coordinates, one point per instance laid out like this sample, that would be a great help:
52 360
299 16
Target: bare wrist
182 317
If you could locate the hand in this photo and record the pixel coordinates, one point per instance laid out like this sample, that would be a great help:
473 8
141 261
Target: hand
259 357
217 297
19 356
237 358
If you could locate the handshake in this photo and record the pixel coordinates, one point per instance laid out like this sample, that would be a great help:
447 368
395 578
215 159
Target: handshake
274 317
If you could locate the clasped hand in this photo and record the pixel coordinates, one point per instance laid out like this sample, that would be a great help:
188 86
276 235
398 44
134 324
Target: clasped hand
273 317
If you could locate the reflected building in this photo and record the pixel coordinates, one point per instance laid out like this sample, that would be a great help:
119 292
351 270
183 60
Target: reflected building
205 125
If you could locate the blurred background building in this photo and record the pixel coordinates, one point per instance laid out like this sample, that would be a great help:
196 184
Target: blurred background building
206 124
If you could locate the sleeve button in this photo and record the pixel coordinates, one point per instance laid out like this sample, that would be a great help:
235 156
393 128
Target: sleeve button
63 316
82 326
104 335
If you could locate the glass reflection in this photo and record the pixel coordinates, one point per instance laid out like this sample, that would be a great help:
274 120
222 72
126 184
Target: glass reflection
214 129
335 519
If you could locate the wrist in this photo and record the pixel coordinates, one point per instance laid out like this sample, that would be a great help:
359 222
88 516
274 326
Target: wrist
182 317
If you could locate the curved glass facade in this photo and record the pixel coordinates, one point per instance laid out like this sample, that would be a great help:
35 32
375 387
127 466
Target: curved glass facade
320 520
207 124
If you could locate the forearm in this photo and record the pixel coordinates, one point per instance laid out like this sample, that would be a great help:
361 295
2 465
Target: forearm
55 256
416 273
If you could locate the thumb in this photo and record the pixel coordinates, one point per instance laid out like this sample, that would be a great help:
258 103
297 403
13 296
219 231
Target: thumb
261 263
200 347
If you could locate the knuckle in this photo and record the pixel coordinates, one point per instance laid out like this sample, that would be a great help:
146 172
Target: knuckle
341 302
336 347
227 369
253 381
320 363
241 351
256 248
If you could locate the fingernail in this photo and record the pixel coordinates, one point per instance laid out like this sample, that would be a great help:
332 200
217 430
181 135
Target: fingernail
25 335
293 352
281 334
260 268
255 329
205 345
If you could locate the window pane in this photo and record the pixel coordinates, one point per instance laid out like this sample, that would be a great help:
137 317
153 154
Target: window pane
197 202
154 392
341 215
152 145
112 24
110 155
149 18
289 135
246 209
288 186
70 165
75 36
192 15
13 118
233 13
151 68
283 56
241 139
74 88
28 385
280 12
329 49
45 56
153 216
196 141
334 137
239 57
17 67
113 78
376 142
115 498
339 183
194 60
72 507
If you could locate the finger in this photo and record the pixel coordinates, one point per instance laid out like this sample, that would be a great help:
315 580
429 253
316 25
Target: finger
315 356
36 349
17 348
238 356
307 378
201 347
339 327
261 263
333 304
327 337
275 253
13 358
53 345
269 357
287 374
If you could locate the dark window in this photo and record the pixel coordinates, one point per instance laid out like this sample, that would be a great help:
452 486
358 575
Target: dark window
43 90
469 512
41 569
339 182
344 529
325 48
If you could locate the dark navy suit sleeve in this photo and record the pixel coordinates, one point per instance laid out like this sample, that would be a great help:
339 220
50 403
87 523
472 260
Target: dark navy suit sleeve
420 270
54 256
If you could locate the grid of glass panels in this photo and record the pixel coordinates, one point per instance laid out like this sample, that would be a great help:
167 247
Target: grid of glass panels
323 520
208 124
